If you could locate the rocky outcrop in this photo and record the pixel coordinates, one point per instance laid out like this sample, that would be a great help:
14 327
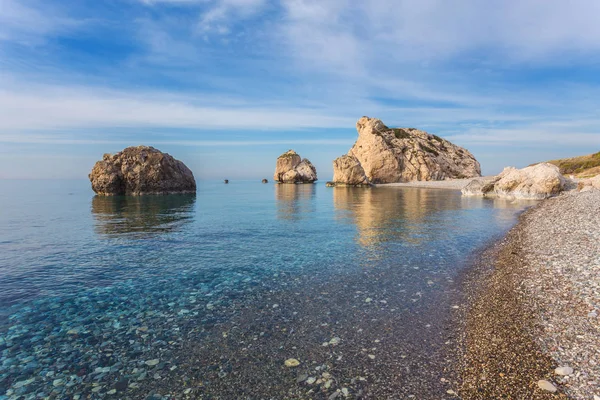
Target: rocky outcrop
141 170
291 168
588 184
406 154
347 171
479 187
535 182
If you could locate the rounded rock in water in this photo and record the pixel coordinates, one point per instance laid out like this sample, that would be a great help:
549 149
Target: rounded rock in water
291 362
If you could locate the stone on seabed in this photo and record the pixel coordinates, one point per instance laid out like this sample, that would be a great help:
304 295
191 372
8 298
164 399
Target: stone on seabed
547 386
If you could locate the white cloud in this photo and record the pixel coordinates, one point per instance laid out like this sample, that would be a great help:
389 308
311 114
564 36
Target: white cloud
383 35
29 22
222 14
29 107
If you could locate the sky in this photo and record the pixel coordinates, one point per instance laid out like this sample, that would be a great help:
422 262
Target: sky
228 85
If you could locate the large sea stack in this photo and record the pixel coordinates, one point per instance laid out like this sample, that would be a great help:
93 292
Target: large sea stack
291 168
389 155
141 170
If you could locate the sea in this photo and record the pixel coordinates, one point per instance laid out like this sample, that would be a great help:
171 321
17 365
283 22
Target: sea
242 291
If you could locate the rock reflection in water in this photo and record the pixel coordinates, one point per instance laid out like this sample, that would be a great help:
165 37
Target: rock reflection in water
295 202
142 216
410 215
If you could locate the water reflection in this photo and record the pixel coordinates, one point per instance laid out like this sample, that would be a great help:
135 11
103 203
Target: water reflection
142 216
412 215
295 202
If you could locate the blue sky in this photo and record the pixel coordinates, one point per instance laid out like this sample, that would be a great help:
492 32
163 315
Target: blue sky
228 85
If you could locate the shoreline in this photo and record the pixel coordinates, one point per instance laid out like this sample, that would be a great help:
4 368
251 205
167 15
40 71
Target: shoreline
449 184
533 304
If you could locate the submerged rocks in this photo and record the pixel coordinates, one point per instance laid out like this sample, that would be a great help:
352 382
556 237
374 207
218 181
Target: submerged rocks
535 182
141 170
291 168
347 171
406 154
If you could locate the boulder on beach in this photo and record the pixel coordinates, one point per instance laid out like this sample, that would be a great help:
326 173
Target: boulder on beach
141 170
389 155
291 168
347 171
535 182
588 184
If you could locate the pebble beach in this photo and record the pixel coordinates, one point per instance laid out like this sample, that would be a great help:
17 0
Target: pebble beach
532 327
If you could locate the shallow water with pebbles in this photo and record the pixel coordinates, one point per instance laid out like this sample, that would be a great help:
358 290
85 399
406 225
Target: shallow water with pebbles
207 296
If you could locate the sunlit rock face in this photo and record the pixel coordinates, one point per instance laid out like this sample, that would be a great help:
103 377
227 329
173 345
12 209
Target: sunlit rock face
535 182
291 168
347 171
588 184
141 170
390 155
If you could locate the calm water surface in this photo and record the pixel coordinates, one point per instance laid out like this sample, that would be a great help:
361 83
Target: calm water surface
206 296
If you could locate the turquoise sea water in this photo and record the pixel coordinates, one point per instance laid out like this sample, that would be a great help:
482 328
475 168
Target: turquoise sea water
206 296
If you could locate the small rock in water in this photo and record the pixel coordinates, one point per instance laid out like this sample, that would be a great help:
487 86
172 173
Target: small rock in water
292 362
58 382
311 380
372 356
152 363
336 340
20 384
368 300
547 386
563 371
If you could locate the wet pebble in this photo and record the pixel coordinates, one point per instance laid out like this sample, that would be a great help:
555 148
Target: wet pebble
546 385
563 370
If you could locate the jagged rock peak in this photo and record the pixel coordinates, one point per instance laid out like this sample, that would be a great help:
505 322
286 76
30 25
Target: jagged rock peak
390 155
141 170
291 168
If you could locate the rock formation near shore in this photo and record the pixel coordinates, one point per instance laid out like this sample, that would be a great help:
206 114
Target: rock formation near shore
141 170
347 171
585 185
535 182
406 154
291 168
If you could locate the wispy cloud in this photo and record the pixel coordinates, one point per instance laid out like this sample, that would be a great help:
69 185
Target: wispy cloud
492 73
54 107
29 22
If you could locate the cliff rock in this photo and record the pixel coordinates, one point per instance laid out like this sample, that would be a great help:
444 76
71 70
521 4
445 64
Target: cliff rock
535 182
290 168
347 171
141 170
407 154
